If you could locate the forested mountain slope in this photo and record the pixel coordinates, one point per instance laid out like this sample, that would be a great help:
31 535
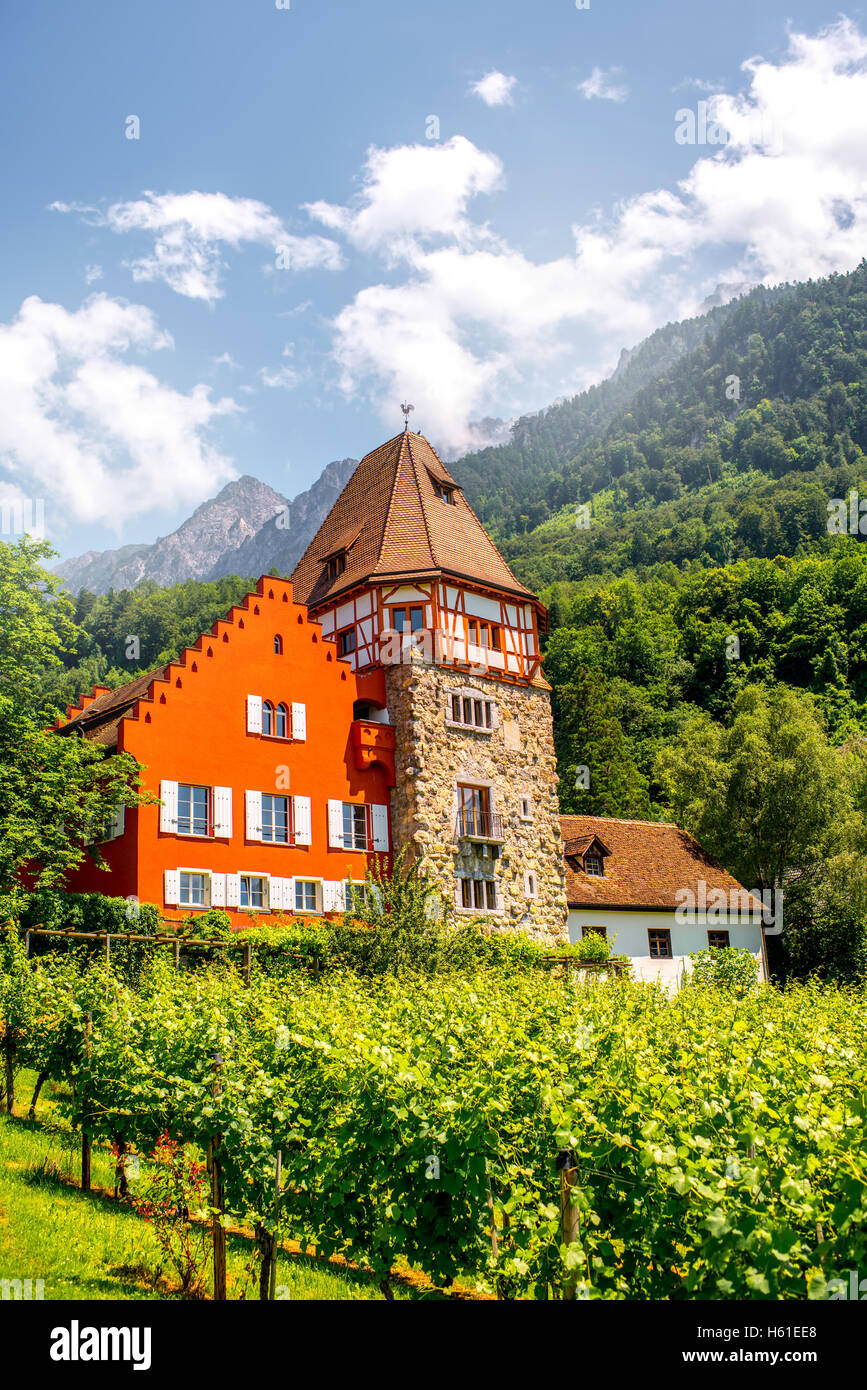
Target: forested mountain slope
733 451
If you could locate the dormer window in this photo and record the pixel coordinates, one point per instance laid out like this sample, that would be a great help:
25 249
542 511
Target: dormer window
442 488
335 565
593 864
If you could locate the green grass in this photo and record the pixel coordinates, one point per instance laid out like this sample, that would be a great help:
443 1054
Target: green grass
87 1246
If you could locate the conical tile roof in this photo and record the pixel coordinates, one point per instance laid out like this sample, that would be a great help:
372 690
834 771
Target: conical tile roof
393 525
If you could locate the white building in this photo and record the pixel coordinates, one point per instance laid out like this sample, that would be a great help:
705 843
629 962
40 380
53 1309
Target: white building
654 893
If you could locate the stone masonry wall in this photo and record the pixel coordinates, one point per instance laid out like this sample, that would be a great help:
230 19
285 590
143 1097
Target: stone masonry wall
516 760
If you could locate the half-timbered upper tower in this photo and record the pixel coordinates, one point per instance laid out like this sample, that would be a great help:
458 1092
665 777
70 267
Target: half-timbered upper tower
403 576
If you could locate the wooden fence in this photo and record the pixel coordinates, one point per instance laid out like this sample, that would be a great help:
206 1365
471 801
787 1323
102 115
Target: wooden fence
616 967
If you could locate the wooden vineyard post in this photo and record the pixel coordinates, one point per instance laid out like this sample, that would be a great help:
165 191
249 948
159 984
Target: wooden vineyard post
177 955
494 1246
85 1137
248 962
272 1283
570 1217
219 1232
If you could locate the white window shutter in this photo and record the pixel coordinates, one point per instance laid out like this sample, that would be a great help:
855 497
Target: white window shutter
254 815
169 808
254 714
335 824
379 818
223 813
117 822
302 822
218 890
299 721
281 894
173 887
233 890
333 896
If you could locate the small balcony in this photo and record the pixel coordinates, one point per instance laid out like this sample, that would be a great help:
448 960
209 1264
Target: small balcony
479 825
374 743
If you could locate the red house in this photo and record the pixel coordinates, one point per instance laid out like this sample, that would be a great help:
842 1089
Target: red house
272 769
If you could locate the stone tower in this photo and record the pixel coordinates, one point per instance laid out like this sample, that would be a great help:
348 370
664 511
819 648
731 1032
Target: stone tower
402 575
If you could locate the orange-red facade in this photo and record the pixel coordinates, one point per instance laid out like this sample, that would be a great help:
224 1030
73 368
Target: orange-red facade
261 812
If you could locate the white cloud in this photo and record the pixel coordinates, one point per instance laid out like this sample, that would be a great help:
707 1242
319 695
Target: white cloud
287 378
474 327
190 231
98 436
92 273
495 88
414 193
601 84
226 359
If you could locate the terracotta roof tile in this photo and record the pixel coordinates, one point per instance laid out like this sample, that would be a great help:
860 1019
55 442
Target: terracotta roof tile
650 861
100 719
405 528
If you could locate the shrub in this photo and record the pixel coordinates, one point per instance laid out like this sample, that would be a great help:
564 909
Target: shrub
213 925
90 912
592 948
727 967
398 922
174 1198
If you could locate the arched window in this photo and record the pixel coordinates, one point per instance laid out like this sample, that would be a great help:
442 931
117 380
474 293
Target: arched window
278 644
267 717
280 722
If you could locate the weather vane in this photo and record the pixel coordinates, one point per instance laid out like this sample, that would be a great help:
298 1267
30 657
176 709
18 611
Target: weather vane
406 409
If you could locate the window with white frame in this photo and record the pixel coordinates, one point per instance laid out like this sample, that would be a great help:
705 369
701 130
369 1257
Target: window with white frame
531 884
253 894
355 826
307 895
276 819
357 895
110 827
194 810
358 826
194 889
275 720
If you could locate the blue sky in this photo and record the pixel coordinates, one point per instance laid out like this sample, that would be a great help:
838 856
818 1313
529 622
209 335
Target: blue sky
293 245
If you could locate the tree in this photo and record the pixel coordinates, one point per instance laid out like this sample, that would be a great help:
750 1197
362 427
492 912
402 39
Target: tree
589 736
55 792
36 623
763 795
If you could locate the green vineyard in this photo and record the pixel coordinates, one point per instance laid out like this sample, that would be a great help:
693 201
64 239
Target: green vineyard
715 1144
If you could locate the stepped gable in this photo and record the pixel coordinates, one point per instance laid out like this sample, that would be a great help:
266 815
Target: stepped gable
101 714
392 525
98 716
647 864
